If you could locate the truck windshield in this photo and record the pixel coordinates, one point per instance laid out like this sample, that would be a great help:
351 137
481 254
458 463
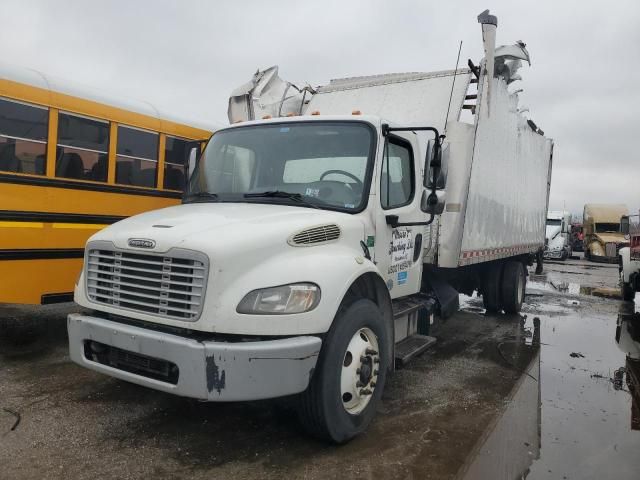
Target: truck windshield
314 164
607 227
553 221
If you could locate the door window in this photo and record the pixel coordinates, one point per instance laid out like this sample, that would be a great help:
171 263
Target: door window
397 179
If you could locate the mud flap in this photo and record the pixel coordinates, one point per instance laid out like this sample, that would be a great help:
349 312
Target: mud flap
446 295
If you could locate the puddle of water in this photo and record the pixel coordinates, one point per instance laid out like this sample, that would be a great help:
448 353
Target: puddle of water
572 288
575 412
586 429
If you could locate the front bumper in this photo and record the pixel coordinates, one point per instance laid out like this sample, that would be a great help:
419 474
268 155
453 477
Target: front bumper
553 253
603 259
206 370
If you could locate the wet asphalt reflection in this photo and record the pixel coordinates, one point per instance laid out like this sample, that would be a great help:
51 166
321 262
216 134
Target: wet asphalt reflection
545 394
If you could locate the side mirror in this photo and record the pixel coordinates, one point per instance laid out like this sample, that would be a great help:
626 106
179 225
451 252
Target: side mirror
192 161
433 203
439 158
193 155
624 225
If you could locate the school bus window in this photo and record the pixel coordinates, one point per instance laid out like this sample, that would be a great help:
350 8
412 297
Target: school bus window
82 148
175 156
23 137
137 157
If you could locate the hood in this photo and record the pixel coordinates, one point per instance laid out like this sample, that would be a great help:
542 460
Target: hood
610 237
195 224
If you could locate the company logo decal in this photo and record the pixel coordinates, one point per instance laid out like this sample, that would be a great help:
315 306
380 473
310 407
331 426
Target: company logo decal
141 243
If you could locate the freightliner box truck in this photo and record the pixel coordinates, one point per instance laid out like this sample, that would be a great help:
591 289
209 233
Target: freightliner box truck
312 248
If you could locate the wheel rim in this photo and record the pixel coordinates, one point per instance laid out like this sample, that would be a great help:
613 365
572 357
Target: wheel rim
359 374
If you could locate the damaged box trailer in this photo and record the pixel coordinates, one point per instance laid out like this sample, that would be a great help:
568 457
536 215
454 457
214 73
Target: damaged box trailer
319 234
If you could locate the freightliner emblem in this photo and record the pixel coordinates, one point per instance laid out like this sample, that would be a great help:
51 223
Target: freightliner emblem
141 243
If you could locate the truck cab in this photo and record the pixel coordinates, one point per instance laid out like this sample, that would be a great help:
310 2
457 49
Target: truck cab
293 233
602 236
629 257
558 235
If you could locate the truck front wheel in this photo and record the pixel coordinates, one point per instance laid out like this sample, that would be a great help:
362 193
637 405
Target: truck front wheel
514 283
347 384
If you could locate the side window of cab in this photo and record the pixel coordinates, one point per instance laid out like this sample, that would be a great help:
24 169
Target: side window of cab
397 181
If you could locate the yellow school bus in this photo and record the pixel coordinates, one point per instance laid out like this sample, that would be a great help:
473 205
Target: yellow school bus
73 161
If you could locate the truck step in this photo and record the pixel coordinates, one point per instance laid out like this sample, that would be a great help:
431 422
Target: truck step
407 305
412 346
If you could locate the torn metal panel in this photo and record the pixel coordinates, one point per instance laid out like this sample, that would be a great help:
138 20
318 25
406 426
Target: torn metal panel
405 98
266 94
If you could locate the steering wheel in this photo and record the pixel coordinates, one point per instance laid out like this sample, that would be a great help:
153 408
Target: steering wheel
346 174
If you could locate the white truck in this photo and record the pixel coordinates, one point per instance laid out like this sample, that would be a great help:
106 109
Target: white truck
312 248
558 235
629 257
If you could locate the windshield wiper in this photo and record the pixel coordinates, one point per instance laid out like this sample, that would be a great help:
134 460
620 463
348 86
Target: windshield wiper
297 197
200 196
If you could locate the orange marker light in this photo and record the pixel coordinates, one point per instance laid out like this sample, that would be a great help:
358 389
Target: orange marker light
266 117
356 112
291 114
315 112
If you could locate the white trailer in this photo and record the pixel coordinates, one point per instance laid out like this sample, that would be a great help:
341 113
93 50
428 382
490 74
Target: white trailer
314 245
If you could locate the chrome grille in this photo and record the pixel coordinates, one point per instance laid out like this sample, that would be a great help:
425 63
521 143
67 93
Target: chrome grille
610 249
314 235
170 285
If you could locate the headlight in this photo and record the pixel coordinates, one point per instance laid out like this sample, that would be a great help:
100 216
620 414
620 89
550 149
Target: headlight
294 298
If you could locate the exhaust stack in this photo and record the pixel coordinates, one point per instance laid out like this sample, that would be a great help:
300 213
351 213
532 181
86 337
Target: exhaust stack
489 26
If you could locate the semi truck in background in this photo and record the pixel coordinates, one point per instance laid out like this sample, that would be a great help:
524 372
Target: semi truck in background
629 257
318 236
602 236
558 235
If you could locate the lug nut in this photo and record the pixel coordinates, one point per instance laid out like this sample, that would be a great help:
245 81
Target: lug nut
370 351
359 384
376 360
365 391
373 384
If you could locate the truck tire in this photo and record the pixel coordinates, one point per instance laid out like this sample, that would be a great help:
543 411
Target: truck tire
539 262
514 283
491 294
628 293
349 378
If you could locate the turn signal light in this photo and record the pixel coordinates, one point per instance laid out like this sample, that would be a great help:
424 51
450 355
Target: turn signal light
356 112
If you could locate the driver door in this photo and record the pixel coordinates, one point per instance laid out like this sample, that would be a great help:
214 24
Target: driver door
398 251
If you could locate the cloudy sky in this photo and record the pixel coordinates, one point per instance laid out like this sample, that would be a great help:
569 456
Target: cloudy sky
187 56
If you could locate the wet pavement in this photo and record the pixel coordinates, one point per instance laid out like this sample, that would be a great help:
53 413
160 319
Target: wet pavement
538 395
